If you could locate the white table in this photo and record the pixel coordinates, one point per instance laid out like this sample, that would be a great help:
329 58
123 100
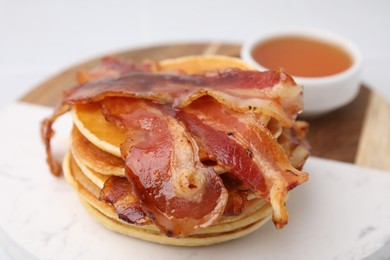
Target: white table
40 38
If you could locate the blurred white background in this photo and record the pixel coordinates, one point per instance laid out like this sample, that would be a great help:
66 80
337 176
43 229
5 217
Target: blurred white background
40 38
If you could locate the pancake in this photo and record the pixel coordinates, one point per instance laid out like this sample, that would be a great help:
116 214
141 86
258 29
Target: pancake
200 64
190 241
227 228
93 126
95 157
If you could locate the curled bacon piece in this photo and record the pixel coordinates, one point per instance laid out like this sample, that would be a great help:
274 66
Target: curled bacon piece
245 148
294 143
177 191
118 192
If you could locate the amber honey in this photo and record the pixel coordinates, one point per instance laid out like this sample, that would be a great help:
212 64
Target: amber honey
303 57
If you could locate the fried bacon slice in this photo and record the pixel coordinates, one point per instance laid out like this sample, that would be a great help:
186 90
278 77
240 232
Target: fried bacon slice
177 191
238 195
294 143
246 149
272 93
119 192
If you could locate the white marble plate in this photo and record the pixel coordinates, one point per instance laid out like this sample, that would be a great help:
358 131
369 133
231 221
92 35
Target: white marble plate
343 212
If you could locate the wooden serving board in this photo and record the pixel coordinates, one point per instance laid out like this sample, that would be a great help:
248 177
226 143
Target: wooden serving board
357 133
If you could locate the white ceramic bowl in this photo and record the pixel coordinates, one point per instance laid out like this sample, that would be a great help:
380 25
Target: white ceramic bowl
321 94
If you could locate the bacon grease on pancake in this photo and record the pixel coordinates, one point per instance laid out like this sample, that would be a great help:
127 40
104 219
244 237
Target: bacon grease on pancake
247 149
176 190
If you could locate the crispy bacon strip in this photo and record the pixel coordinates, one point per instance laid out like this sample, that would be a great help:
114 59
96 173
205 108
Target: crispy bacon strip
118 192
238 195
272 93
47 133
177 191
247 149
294 143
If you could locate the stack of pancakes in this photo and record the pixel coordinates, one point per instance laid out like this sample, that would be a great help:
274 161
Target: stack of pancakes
95 156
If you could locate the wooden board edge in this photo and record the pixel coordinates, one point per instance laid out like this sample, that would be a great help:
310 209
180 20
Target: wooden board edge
375 135
48 92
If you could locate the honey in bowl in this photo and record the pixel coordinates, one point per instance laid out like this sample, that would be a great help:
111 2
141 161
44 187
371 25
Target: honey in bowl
301 56
327 65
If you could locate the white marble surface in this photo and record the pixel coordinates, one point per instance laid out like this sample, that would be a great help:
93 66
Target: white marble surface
342 213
